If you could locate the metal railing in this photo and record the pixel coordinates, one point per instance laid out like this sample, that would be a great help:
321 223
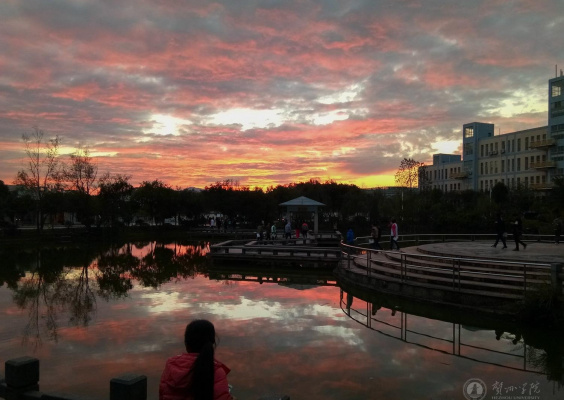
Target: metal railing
466 273
400 331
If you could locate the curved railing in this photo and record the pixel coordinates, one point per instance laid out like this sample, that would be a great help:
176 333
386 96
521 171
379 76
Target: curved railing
421 238
509 280
454 340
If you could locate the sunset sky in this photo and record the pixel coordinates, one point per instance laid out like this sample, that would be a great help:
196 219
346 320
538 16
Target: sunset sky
269 92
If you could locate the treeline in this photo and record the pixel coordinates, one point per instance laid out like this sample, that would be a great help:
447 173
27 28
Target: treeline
50 189
116 203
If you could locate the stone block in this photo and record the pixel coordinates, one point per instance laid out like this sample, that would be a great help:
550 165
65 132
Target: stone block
32 395
22 372
57 396
129 387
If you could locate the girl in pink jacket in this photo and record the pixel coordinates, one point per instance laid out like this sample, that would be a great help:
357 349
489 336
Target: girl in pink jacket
195 375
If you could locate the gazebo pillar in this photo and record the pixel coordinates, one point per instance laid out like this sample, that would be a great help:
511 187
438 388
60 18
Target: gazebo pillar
316 222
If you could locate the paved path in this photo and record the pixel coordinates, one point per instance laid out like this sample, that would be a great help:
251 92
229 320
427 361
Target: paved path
535 252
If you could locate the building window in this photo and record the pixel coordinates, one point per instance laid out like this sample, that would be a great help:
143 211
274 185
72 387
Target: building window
518 164
518 144
526 143
513 165
469 132
526 181
526 163
502 165
468 149
481 150
481 168
556 88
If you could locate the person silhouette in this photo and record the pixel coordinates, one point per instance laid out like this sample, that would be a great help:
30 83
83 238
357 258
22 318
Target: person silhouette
196 374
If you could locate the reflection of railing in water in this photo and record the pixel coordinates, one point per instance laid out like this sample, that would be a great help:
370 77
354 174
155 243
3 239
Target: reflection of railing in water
457 343
284 278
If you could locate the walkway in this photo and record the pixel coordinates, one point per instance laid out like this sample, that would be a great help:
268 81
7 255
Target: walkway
535 252
460 273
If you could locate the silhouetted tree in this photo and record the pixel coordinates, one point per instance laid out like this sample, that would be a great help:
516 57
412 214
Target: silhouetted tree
42 174
408 173
115 199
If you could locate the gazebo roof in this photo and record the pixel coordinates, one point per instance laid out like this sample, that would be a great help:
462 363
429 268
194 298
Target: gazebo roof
302 201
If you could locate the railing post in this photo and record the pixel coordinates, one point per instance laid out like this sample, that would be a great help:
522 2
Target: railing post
403 268
22 375
129 387
459 285
524 280
556 280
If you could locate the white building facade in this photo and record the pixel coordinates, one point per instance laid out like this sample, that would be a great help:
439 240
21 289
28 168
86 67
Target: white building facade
529 158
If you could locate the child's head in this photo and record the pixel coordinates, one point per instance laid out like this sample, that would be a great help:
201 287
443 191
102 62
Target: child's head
199 333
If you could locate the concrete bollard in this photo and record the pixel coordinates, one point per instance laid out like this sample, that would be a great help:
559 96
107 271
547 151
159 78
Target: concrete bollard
129 387
22 375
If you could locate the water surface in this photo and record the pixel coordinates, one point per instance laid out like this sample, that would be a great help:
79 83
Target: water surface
91 314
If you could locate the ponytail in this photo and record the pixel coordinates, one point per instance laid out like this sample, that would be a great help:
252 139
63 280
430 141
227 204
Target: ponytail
199 337
203 373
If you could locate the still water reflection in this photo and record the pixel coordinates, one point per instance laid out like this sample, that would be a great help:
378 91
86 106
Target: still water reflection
91 313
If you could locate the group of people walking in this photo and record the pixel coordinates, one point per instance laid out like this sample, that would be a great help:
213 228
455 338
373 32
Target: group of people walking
516 225
376 236
501 232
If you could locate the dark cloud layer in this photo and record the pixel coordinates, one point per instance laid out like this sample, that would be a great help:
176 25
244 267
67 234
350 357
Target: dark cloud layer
215 89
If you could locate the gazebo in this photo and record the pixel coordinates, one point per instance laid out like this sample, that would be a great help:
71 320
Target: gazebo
303 204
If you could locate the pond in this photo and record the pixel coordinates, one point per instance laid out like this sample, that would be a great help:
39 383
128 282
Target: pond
91 313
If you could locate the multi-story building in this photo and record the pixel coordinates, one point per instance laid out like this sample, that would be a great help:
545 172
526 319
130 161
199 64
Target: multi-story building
531 158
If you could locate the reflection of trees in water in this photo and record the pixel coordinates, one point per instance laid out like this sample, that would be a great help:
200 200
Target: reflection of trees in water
68 280
113 276
163 263
46 291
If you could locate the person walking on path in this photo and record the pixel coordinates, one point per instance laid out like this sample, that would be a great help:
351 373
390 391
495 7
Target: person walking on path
518 232
557 223
273 231
350 237
288 230
196 374
500 231
305 228
376 234
394 234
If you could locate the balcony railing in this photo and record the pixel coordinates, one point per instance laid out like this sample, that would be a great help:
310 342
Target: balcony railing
539 144
460 175
543 165
542 186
